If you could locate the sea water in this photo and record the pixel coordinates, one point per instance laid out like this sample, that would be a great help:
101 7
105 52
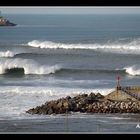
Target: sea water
60 55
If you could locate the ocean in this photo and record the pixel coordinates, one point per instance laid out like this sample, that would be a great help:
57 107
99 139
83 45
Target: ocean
46 57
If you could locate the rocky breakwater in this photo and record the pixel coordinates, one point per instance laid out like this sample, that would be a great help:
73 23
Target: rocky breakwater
92 103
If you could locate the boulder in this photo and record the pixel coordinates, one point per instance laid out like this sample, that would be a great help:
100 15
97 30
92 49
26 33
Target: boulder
50 111
66 104
99 96
68 98
60 104
92 95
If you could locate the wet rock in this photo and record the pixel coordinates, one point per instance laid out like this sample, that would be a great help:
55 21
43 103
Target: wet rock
50 111
66 104
92 95
60 104
68 98
30 111
86 103
99 96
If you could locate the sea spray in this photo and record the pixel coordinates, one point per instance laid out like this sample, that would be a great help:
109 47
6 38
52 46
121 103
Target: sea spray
128 47
133 70
7 53
29 66
15 100
32 67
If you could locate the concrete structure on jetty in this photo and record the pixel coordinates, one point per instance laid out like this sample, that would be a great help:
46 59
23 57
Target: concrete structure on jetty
124 93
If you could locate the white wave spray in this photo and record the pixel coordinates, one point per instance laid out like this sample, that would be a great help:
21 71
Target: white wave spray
15 100
7 54
29 66
132 45
133 70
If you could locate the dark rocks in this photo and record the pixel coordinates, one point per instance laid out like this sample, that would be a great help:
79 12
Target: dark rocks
99 96
68 98
92 103
50 111
60 104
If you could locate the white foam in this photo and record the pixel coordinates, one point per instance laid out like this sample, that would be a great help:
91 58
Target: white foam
30 66
7 54
15 100
9 91
133 70
128 47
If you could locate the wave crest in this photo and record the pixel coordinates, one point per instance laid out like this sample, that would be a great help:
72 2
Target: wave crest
116 46
7 54
133 70
29 66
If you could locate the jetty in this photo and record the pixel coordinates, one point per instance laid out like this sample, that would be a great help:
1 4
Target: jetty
124 93
124 99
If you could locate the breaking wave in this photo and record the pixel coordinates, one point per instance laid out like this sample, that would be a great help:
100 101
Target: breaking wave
29 66
120 47
7 54
133 70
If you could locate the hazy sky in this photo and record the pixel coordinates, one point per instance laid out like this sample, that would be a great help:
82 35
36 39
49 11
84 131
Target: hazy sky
70 10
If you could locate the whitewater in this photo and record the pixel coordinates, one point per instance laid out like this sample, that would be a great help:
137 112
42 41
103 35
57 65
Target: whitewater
7 54
131 46
29 66
15 98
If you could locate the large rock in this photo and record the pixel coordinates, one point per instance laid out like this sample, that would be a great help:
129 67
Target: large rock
66 104
50 111
60 104
99 96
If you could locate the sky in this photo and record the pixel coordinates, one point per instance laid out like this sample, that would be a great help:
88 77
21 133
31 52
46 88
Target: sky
70 10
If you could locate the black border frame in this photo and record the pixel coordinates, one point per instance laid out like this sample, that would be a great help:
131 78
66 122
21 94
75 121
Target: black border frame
69 3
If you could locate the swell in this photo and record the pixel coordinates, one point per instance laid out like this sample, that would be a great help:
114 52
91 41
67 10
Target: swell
14 71
133 70
21 71
7 53
116 46
90 71
28 66
130 46
56 70
25 66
